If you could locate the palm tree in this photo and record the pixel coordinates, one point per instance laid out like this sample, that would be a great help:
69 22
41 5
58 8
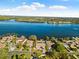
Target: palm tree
14 39
34 39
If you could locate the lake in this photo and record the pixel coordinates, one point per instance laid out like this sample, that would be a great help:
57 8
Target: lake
39 29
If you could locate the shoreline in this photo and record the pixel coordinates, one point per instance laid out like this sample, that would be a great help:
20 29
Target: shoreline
49 20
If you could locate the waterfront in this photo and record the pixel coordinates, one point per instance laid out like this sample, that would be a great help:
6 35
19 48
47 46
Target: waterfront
13 47
41 40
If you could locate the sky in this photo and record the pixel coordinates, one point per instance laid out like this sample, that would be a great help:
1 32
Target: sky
51 8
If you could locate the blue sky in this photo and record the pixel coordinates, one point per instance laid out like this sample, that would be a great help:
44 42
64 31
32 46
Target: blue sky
56 8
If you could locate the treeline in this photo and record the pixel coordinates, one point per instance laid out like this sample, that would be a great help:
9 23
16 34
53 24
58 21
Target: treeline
42 19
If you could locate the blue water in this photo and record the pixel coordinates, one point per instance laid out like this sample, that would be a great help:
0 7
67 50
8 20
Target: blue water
39 29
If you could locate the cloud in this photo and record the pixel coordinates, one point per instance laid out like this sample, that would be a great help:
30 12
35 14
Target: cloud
58 7
22 9
37 5
38 9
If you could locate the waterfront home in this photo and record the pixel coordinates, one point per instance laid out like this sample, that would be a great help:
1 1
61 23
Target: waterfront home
40 45
12 47
2 45
30 43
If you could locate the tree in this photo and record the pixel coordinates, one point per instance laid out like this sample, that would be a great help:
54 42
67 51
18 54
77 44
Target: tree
19 46
14 39
26 47
46 38
34 39
58 51
3 53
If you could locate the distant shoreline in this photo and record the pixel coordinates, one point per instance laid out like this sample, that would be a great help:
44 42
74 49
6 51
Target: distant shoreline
49 20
